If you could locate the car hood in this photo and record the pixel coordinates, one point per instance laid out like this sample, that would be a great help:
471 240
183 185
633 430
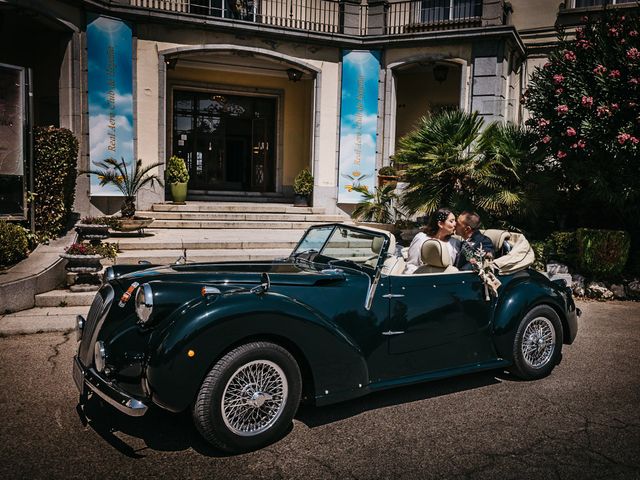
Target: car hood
250 273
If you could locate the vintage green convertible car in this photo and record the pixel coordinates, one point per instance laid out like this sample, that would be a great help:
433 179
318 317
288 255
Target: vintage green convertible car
242 344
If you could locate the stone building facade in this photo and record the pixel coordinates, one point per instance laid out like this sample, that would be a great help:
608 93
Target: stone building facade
250 91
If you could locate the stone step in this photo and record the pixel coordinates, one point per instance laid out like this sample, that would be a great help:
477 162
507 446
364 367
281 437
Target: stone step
42 319
158 239
223 207
237 197
256 225
243 217
64 298
178 244
164 257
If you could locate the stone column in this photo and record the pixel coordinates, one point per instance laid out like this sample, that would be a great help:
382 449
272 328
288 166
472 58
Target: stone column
489 79
350 10
492 12
377 17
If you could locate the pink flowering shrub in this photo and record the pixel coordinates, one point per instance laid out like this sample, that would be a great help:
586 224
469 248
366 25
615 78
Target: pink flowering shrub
584 106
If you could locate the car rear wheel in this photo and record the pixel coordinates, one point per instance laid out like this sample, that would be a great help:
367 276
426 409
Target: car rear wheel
249 397
538 343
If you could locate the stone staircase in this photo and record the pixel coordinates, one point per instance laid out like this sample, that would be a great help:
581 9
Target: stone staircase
224 215
207 232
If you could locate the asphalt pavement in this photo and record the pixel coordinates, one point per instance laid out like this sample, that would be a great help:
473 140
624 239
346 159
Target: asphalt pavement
581 422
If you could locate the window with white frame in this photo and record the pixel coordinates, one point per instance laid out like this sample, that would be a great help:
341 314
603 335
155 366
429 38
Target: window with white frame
443 10
596 3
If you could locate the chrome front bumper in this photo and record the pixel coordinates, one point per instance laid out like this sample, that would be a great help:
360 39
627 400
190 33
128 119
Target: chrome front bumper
114 396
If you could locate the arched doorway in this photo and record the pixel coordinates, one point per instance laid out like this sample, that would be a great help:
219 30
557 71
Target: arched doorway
241 119
423 87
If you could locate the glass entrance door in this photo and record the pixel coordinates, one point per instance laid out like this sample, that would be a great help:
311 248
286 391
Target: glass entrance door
226 140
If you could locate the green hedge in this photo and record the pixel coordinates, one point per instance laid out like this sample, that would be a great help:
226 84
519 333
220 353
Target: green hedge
602 253
55 171
562 247
14 245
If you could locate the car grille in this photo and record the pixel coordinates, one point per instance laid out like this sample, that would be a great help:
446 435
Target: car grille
98 311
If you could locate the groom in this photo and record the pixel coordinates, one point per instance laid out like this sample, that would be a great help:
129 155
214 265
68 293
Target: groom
467 226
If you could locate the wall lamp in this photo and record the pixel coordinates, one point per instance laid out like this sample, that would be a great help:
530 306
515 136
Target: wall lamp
294 74
171 63
440 73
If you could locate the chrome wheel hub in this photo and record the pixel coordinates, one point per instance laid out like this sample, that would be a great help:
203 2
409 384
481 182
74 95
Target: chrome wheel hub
254 398
538 342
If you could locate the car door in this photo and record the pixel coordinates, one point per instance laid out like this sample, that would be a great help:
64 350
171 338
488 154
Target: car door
436 322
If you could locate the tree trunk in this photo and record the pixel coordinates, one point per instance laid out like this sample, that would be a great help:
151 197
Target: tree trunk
128 207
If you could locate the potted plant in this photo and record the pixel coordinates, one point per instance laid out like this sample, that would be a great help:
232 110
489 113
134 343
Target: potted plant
84 266
303 188
387 175
376 207
129 180
177 177
82 257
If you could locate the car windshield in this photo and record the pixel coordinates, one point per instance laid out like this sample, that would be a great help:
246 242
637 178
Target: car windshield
341 243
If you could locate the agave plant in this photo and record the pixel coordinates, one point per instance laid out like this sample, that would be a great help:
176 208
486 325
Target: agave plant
128 180
376 206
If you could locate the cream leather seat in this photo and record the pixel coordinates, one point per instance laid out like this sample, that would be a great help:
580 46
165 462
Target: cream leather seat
497 237
435 258
392 265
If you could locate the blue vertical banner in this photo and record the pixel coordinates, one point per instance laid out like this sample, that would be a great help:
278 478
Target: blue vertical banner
358 123
110 78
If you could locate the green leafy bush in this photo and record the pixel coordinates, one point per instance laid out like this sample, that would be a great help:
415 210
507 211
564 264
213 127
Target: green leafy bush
602 253
303 183
539 248
55 171
176 170
14 245
562 247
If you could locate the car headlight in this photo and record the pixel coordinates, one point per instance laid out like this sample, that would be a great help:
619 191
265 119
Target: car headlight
144 303
100 355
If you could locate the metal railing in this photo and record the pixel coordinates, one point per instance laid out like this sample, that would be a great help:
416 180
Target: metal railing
334 16
427 15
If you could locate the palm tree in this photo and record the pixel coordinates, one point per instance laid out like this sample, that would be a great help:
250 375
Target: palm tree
375 206
454 163
128 180
440 161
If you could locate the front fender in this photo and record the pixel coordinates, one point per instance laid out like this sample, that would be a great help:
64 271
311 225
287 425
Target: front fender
522 293
212 326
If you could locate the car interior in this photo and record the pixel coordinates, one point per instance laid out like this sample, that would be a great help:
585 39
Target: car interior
513 253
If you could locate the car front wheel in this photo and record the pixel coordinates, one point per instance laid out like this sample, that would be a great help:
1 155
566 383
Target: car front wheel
249 397
538 343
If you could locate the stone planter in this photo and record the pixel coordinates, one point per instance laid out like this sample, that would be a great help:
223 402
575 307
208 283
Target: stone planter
387 180
82 263
300 200
92 232
130 224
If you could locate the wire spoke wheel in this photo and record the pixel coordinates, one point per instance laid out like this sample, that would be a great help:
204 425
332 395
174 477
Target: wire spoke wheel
254 397
538 342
